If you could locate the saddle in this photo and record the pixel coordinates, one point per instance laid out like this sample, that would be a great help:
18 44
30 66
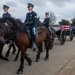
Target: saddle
38 31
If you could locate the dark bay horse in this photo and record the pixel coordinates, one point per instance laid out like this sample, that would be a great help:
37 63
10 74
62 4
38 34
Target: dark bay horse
11 28
9 48
2 45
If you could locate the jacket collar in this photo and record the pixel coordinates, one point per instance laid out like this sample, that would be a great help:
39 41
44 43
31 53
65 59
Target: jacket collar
5 12
30 11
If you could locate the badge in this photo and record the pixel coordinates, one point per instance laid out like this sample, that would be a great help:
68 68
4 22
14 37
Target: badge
35 16
31 15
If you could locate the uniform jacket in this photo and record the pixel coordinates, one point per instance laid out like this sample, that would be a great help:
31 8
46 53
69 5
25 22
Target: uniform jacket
46 22
6 15
31 19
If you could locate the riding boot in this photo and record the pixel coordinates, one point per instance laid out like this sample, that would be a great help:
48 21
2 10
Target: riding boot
50 32
34 45
33 38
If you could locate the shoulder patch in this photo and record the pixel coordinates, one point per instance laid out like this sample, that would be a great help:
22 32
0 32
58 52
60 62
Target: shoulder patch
35 16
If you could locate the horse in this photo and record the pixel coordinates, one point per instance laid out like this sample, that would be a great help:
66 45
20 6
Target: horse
13 30
39 23
13 45
10 46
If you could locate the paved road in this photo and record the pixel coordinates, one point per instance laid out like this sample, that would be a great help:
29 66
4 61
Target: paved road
60 56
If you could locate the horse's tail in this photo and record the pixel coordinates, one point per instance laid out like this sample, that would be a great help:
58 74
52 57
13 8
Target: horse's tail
48 41
51 40
53 35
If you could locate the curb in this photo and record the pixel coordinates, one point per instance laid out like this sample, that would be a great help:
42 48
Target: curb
67 70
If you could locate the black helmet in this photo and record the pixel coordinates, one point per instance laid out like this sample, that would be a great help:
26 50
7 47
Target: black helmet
30 5
46 13
5 6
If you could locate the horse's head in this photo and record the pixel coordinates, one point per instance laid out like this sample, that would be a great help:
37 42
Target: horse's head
5 28
39 23
9 27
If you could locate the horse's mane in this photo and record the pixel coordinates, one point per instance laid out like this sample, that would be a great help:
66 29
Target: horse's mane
19 25
40 23
20 21
15 23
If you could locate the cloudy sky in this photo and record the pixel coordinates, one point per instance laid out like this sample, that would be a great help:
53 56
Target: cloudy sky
62 8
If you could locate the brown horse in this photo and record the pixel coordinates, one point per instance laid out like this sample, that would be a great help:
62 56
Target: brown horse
22 41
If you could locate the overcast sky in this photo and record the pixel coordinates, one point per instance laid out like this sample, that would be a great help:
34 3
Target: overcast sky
62 8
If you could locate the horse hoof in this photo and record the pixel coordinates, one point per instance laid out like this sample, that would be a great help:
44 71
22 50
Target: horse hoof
34 49
6 55
4 58
7 59
19 72
30 63
13 52
37 60
46 59
15 59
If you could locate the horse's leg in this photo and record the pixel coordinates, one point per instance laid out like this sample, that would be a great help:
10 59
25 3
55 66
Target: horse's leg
7 54
39 52
16 58
47 51
14 48
1 49
34 49
28 60
20 70
47 54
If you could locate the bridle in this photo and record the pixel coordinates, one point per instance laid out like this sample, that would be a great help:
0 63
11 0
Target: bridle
2 38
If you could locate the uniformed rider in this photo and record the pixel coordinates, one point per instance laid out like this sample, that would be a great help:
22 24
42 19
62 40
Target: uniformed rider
31 23
6 13
46 23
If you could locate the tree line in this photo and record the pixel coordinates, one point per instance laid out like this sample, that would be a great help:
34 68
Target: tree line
66 22
62 22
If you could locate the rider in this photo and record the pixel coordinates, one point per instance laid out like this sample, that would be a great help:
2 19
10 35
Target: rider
46 23
30 22
6 13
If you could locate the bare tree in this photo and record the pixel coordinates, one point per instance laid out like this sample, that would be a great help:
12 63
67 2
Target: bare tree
52 18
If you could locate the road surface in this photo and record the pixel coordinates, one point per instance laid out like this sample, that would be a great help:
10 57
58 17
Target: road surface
60 56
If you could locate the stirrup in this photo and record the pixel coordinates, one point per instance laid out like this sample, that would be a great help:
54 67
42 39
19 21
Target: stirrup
34 46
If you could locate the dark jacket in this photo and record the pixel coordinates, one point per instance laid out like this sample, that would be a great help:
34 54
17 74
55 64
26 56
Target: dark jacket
31 19
46 22
6 15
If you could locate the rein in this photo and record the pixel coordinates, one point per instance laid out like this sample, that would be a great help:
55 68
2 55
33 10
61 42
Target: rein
6 25
9 38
